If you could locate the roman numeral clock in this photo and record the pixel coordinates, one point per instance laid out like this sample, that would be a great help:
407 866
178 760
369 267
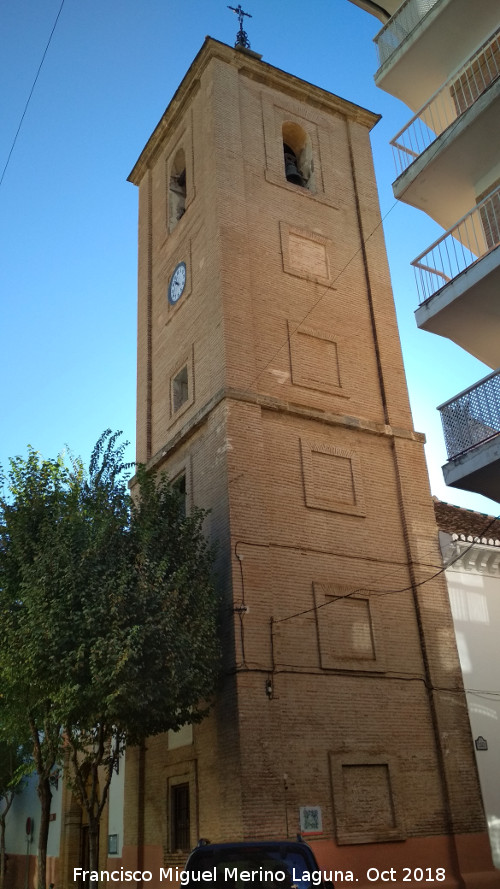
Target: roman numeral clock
177 283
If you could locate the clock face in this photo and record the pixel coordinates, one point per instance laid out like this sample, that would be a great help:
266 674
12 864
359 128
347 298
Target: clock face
177 283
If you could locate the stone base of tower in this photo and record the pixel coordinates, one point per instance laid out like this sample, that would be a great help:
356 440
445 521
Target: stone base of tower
22 870
462 861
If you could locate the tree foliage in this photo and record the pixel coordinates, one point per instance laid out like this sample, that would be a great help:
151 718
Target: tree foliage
108 616
32 520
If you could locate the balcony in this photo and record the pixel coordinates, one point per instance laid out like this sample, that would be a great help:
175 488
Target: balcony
400 26
452 99
458 281
446 177
390 7
425 40
471 426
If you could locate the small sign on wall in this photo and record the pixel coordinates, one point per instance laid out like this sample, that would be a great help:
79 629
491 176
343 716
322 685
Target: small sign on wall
113 844
481 743
311 820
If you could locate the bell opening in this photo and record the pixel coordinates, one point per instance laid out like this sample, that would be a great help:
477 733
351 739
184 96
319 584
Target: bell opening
292 173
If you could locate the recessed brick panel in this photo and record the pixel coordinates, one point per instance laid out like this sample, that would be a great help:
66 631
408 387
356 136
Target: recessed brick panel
350 633
305 253
332 478
315 359
365 799
368 797
351 630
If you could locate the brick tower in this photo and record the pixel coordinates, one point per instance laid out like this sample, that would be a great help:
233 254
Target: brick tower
271 389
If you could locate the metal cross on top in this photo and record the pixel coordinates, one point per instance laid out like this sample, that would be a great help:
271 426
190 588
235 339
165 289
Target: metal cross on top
242 36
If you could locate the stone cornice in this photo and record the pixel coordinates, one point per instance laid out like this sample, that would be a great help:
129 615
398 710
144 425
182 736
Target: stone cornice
266 402
472 557
250 65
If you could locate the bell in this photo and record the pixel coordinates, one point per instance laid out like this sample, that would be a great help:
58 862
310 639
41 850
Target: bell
291 170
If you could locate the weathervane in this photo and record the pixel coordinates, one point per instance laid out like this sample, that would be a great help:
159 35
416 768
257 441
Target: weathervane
242 36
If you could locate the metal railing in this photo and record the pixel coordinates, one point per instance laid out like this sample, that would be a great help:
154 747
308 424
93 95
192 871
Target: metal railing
454 97
400 25
470 239
472 417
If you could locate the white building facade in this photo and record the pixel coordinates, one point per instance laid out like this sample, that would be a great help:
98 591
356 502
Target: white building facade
470 544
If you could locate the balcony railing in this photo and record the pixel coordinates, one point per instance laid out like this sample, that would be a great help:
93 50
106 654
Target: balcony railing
472 417
400 25
470 239
454 97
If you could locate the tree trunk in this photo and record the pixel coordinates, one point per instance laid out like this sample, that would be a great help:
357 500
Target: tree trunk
45 796
93 843
2 850
7 798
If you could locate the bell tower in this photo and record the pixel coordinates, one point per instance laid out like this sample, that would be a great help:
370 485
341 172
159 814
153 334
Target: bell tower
271 389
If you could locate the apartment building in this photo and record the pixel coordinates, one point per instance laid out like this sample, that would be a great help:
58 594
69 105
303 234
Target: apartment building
442 59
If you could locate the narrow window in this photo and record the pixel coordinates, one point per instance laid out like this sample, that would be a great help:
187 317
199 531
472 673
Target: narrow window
179 806
180 389
297 155
177 190
179 485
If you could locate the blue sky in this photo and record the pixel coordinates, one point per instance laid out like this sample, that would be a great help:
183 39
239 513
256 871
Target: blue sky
68 216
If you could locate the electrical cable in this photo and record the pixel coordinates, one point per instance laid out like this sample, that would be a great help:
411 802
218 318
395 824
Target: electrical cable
377 592
31 93
381 593
327 288
399 675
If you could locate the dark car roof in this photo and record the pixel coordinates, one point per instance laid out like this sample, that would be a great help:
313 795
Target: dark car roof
242 844
218 849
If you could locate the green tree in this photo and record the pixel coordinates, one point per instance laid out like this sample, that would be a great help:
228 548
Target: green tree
109 605
40 495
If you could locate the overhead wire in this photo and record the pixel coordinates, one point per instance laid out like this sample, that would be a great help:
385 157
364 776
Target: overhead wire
28 100
327 288
279 667
381 593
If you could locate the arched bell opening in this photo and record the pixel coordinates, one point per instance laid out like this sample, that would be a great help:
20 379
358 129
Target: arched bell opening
291 167
297 154
177 190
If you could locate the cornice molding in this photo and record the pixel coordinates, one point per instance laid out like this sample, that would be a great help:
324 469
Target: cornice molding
472 556
267 402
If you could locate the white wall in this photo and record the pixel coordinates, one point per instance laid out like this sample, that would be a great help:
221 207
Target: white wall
116 799
25 805
474 590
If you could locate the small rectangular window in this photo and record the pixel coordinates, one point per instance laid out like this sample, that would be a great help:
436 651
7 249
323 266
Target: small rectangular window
179 807
180 389
179 485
